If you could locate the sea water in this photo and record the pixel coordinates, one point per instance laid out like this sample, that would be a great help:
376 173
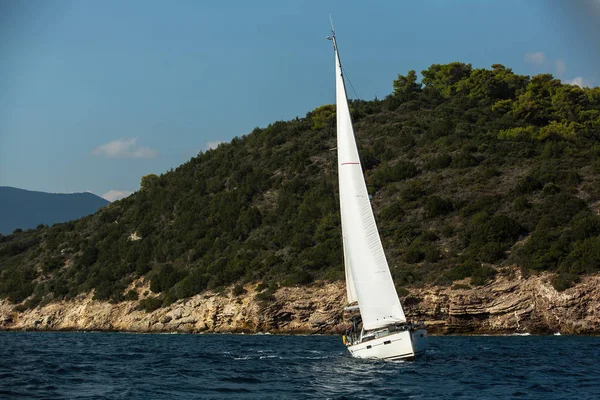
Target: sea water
153 366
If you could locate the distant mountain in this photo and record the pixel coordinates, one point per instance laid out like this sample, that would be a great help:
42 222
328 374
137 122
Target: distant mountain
27 209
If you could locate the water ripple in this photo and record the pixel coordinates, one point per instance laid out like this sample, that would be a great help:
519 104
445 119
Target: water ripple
128 366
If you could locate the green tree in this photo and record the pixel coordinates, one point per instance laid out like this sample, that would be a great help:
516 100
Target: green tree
405 87
445 77
323 117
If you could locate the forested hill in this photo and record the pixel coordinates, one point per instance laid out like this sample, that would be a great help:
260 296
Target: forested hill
469 169
26 209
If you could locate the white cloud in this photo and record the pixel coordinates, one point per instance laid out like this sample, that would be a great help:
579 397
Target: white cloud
561 67
114 195
213 144
579 81
535 58
124 148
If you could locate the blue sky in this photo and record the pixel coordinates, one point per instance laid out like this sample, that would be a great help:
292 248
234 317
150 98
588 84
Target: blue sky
96 94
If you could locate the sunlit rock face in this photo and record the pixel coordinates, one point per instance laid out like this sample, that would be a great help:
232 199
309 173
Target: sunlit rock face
508 304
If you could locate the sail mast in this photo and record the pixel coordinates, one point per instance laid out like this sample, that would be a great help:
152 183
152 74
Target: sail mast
342 102
368 278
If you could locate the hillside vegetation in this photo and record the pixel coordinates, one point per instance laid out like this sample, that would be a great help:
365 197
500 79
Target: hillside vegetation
469 169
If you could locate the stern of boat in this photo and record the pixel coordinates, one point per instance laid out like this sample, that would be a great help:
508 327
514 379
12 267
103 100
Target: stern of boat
418 337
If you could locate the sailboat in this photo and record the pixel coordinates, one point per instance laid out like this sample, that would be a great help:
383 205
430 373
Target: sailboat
381 330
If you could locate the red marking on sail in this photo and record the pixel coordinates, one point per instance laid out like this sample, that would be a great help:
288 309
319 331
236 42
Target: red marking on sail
345 163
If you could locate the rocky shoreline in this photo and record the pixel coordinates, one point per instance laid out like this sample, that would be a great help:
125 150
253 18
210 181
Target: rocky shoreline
508 304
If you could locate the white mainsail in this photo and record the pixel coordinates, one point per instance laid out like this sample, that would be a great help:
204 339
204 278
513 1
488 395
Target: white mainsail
368 277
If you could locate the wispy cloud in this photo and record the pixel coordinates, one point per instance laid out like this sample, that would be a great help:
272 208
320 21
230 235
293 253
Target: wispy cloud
124 148
561 67
114 195
213 144
535 58
579 81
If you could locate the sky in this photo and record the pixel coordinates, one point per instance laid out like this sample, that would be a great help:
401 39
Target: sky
96 94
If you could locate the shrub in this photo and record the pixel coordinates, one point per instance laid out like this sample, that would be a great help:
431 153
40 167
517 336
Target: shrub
563 281
150 304
265 297
238 290
585 225
322 117
261 286
439 162
131 295
299 277
521 203
413 191
461 271
544 249
164 278
436 206
414 254
491 252
168 299
194 283
89 256
584 258
448 230
518 133
550 189
527 185
392 213
460 286
464 160
483 229
400 171
429 236
486 203
431 253
481 275
52 264
557 130
20 308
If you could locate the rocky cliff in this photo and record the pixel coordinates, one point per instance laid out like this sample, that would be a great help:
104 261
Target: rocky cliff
509 304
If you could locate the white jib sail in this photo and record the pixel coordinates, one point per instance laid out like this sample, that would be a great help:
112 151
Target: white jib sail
368 276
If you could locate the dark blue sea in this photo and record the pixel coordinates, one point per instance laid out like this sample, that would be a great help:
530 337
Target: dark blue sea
135 366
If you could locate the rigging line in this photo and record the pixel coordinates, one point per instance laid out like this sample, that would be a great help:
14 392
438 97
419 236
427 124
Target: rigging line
350 82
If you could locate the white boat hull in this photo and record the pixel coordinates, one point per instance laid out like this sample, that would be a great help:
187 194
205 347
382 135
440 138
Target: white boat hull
405 345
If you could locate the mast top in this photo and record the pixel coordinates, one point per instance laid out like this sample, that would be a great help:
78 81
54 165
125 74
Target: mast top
332 36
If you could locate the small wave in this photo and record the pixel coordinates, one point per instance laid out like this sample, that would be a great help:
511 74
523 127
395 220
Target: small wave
10 393
230 390
241 379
